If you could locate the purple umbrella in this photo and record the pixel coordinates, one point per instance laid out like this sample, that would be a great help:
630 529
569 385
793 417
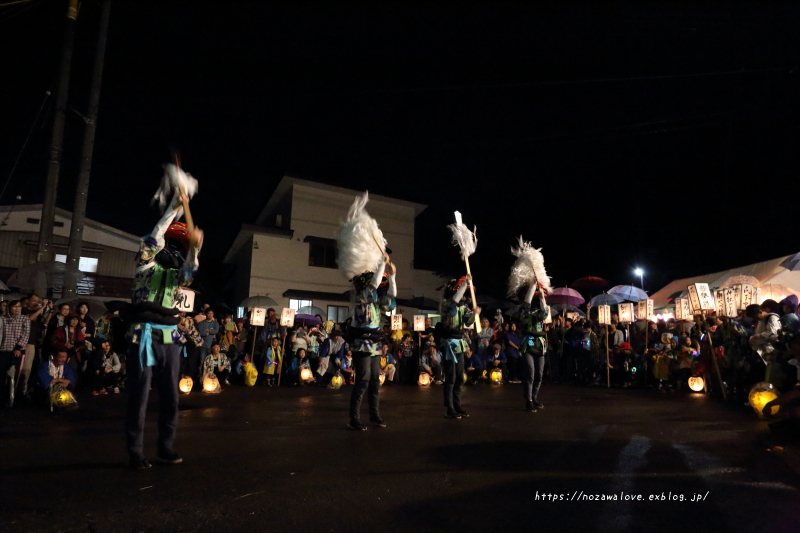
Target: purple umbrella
565 296
307 320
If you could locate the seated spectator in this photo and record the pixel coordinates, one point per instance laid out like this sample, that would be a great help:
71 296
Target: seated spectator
484 338
273 357
473 366
406 355
496 359
69 337
333 346
105 370
53 373
388 363
346 367
217 363
299 362
430 363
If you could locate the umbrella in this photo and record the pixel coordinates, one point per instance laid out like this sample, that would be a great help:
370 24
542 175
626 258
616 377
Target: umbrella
97 307
590 282
3 287
739 280
310 310
774 291
792 262
48 274
262 302
565 296
563 309
628 293
605 299
307 320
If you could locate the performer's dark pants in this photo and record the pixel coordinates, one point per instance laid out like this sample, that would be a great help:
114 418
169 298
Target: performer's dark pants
368 371
453 379
165 376
534 368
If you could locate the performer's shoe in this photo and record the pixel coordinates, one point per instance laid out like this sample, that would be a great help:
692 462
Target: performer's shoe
356 425
529 407
170 458
462 412
537 404
139 464
452 414
377 421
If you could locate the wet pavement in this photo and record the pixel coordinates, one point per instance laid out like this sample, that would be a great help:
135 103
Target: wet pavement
282 460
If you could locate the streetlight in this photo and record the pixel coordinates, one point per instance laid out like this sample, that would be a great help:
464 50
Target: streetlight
639 272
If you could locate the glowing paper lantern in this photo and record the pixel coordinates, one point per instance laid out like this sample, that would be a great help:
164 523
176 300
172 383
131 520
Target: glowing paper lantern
496 376
210 383
287 317
719 297
382 378
336 381
604 314
625 313
645 309
397 322
62 398
696 383
185 385
760 395
744 295
424 379
419 323
683 310
306 375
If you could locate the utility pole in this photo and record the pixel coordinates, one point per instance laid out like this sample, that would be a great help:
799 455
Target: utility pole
82 191
54 166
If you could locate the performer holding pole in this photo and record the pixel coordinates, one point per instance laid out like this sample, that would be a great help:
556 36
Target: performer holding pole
529 281
363 259
167 260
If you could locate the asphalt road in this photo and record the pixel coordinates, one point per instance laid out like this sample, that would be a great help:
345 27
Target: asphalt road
282 460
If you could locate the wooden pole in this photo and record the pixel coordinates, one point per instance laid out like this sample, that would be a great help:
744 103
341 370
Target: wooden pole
608 362
472 292
716 365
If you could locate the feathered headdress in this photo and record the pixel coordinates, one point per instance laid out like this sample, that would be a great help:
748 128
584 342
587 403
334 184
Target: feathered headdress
527 269
360 243
465 239
174 181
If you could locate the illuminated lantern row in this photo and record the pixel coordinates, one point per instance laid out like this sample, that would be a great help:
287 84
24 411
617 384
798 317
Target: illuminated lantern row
185 385
760 395
696 383
424 379
496 376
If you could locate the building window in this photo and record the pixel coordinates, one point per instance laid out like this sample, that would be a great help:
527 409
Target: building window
321 252
297 304
85 264
338 313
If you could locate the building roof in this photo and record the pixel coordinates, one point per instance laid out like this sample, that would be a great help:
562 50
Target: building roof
287 182
765 272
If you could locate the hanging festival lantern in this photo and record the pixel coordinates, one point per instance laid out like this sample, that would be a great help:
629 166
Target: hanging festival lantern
419 323
760 395
625 313
719 299
696 383
424 379
683 310
496 376
336 381
210 383
644 309
185 385
306 375
744 295
604 314
382 378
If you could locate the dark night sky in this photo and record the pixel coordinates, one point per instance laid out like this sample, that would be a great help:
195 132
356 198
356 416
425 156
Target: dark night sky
654 134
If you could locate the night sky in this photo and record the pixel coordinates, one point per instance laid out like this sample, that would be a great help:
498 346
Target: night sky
661 135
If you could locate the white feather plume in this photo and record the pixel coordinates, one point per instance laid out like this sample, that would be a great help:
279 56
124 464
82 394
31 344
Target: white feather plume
527 269
360 243
173 181
465 239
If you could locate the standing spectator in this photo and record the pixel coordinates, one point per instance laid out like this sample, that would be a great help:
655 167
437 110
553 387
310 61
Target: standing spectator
217 363
56 320
398 336
512 353
208 330
485 338
298 340
16 330
226 335
106 368
86 322
192 344
34 309
272 358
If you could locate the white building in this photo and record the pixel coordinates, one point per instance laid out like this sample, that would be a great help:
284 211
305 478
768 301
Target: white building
107 255
290 253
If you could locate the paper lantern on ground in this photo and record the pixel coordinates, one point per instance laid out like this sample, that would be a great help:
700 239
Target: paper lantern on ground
696 383
306 375
185 385
424 379
760 395
210 383
496 376
336 381
382 378
466 378
62 398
